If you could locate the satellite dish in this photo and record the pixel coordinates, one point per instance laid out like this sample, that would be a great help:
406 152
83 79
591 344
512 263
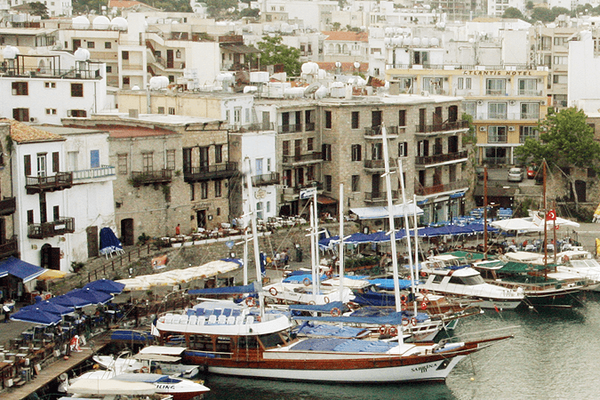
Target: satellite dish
310 89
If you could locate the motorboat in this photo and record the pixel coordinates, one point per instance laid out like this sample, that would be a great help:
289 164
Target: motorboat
233 339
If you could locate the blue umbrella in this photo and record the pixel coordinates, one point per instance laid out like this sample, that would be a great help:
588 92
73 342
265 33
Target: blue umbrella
51 308
106 286
70 301
91 296
36 316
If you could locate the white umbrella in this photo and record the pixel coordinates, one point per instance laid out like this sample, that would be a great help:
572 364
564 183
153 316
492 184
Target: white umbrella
515 224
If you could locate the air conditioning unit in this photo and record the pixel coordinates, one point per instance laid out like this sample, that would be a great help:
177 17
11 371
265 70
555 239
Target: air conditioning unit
511 128
482 128
512 102
479 102
424 93
33 119
543 102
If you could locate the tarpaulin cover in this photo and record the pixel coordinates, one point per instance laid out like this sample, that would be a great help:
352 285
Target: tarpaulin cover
250 288
316 307
344 345
131 336
330 330
20 269
109 241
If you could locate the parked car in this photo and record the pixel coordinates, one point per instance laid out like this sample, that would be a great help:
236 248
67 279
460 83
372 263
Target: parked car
531 171
515 174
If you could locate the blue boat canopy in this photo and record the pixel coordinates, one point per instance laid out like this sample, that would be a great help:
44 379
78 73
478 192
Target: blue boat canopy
250 288
20 269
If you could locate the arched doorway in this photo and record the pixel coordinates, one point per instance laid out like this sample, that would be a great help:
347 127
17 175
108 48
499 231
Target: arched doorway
50 257
127 233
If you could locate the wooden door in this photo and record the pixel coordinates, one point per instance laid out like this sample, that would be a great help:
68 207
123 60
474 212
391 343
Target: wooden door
127 232
92 241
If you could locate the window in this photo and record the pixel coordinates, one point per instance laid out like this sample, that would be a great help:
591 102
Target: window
27 164
560 60
161 110
107 45
496 134
268 207
77 113
527 132
356 183
29 217
464 83
328 119
530 110
50 111
355 121
76 89
94 158
125 55
125 80
20 88
108 69
326 152
310 173
470 107
237 115
41 164
204 190
403 149
328 185
21 114
50 85
171 110
171 159
433 85
377 151
356 152
310 146
497 110
91 45
528 87
402 118
72 158
268 165
217 188
561 79
496 87
122 164
192 192
56 212
218 153
285 147
147 162
259 210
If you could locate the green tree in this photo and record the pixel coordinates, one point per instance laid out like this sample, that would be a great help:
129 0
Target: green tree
172 5
560 11
566 140
273 51
512 12
218 8
529 6
542 14
39 9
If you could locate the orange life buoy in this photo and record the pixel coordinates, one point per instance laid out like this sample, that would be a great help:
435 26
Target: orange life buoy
144 370
250 302
382 330
425 299
306 281
403 298
423 274
273 291
413 321
336 312
424 306
405 322
393 331
312 302
326 300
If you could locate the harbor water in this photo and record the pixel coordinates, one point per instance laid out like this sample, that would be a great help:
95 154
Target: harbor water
555 354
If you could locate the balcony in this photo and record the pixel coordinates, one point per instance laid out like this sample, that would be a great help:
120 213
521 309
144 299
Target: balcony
9 248
309 158
379 165
447 187
534 115
289 128
49 229
266 179
443 127
377 197
292 193
440 158
310 126
7 206
40 184
94 174
391 132
210 172
151 177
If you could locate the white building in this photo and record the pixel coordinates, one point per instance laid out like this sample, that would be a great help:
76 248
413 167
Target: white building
583 78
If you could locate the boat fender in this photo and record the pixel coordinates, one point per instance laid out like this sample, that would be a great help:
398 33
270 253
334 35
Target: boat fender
469 256
273 291
326 300
425 298
393 331
566 258
423 274
312 302
405 322
250 302
306 281
336 312
413 321
424 305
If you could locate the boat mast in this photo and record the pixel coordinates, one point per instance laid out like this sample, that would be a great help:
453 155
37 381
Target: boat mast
485 200
341 249
407 234
545 226
314 245
252 210
415 272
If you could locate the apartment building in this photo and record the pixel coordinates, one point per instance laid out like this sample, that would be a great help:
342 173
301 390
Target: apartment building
33 83
9 246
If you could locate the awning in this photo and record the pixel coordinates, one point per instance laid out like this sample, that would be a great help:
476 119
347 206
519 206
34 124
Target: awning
20 269
51 274
382 212
496 191
239 48
325 200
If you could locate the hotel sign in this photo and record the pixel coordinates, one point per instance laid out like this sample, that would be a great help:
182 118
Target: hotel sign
497 73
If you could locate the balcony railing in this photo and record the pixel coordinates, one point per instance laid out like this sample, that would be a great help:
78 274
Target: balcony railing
290 128
9 248
39 184
54 228
139 178
7 206
438 158
303 158
94 173
266 179
509 116
310 126
426 190
373 197
209 172
443 127
380 164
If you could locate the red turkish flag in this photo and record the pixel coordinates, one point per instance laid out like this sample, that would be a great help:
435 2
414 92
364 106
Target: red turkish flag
551 215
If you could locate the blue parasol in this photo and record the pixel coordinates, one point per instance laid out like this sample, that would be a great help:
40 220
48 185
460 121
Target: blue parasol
36 316
51 308
70 301
106 286
91 296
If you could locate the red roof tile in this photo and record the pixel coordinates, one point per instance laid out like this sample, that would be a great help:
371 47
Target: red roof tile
347 36
22 133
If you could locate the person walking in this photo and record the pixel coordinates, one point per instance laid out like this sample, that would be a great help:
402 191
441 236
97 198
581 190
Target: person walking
178 230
